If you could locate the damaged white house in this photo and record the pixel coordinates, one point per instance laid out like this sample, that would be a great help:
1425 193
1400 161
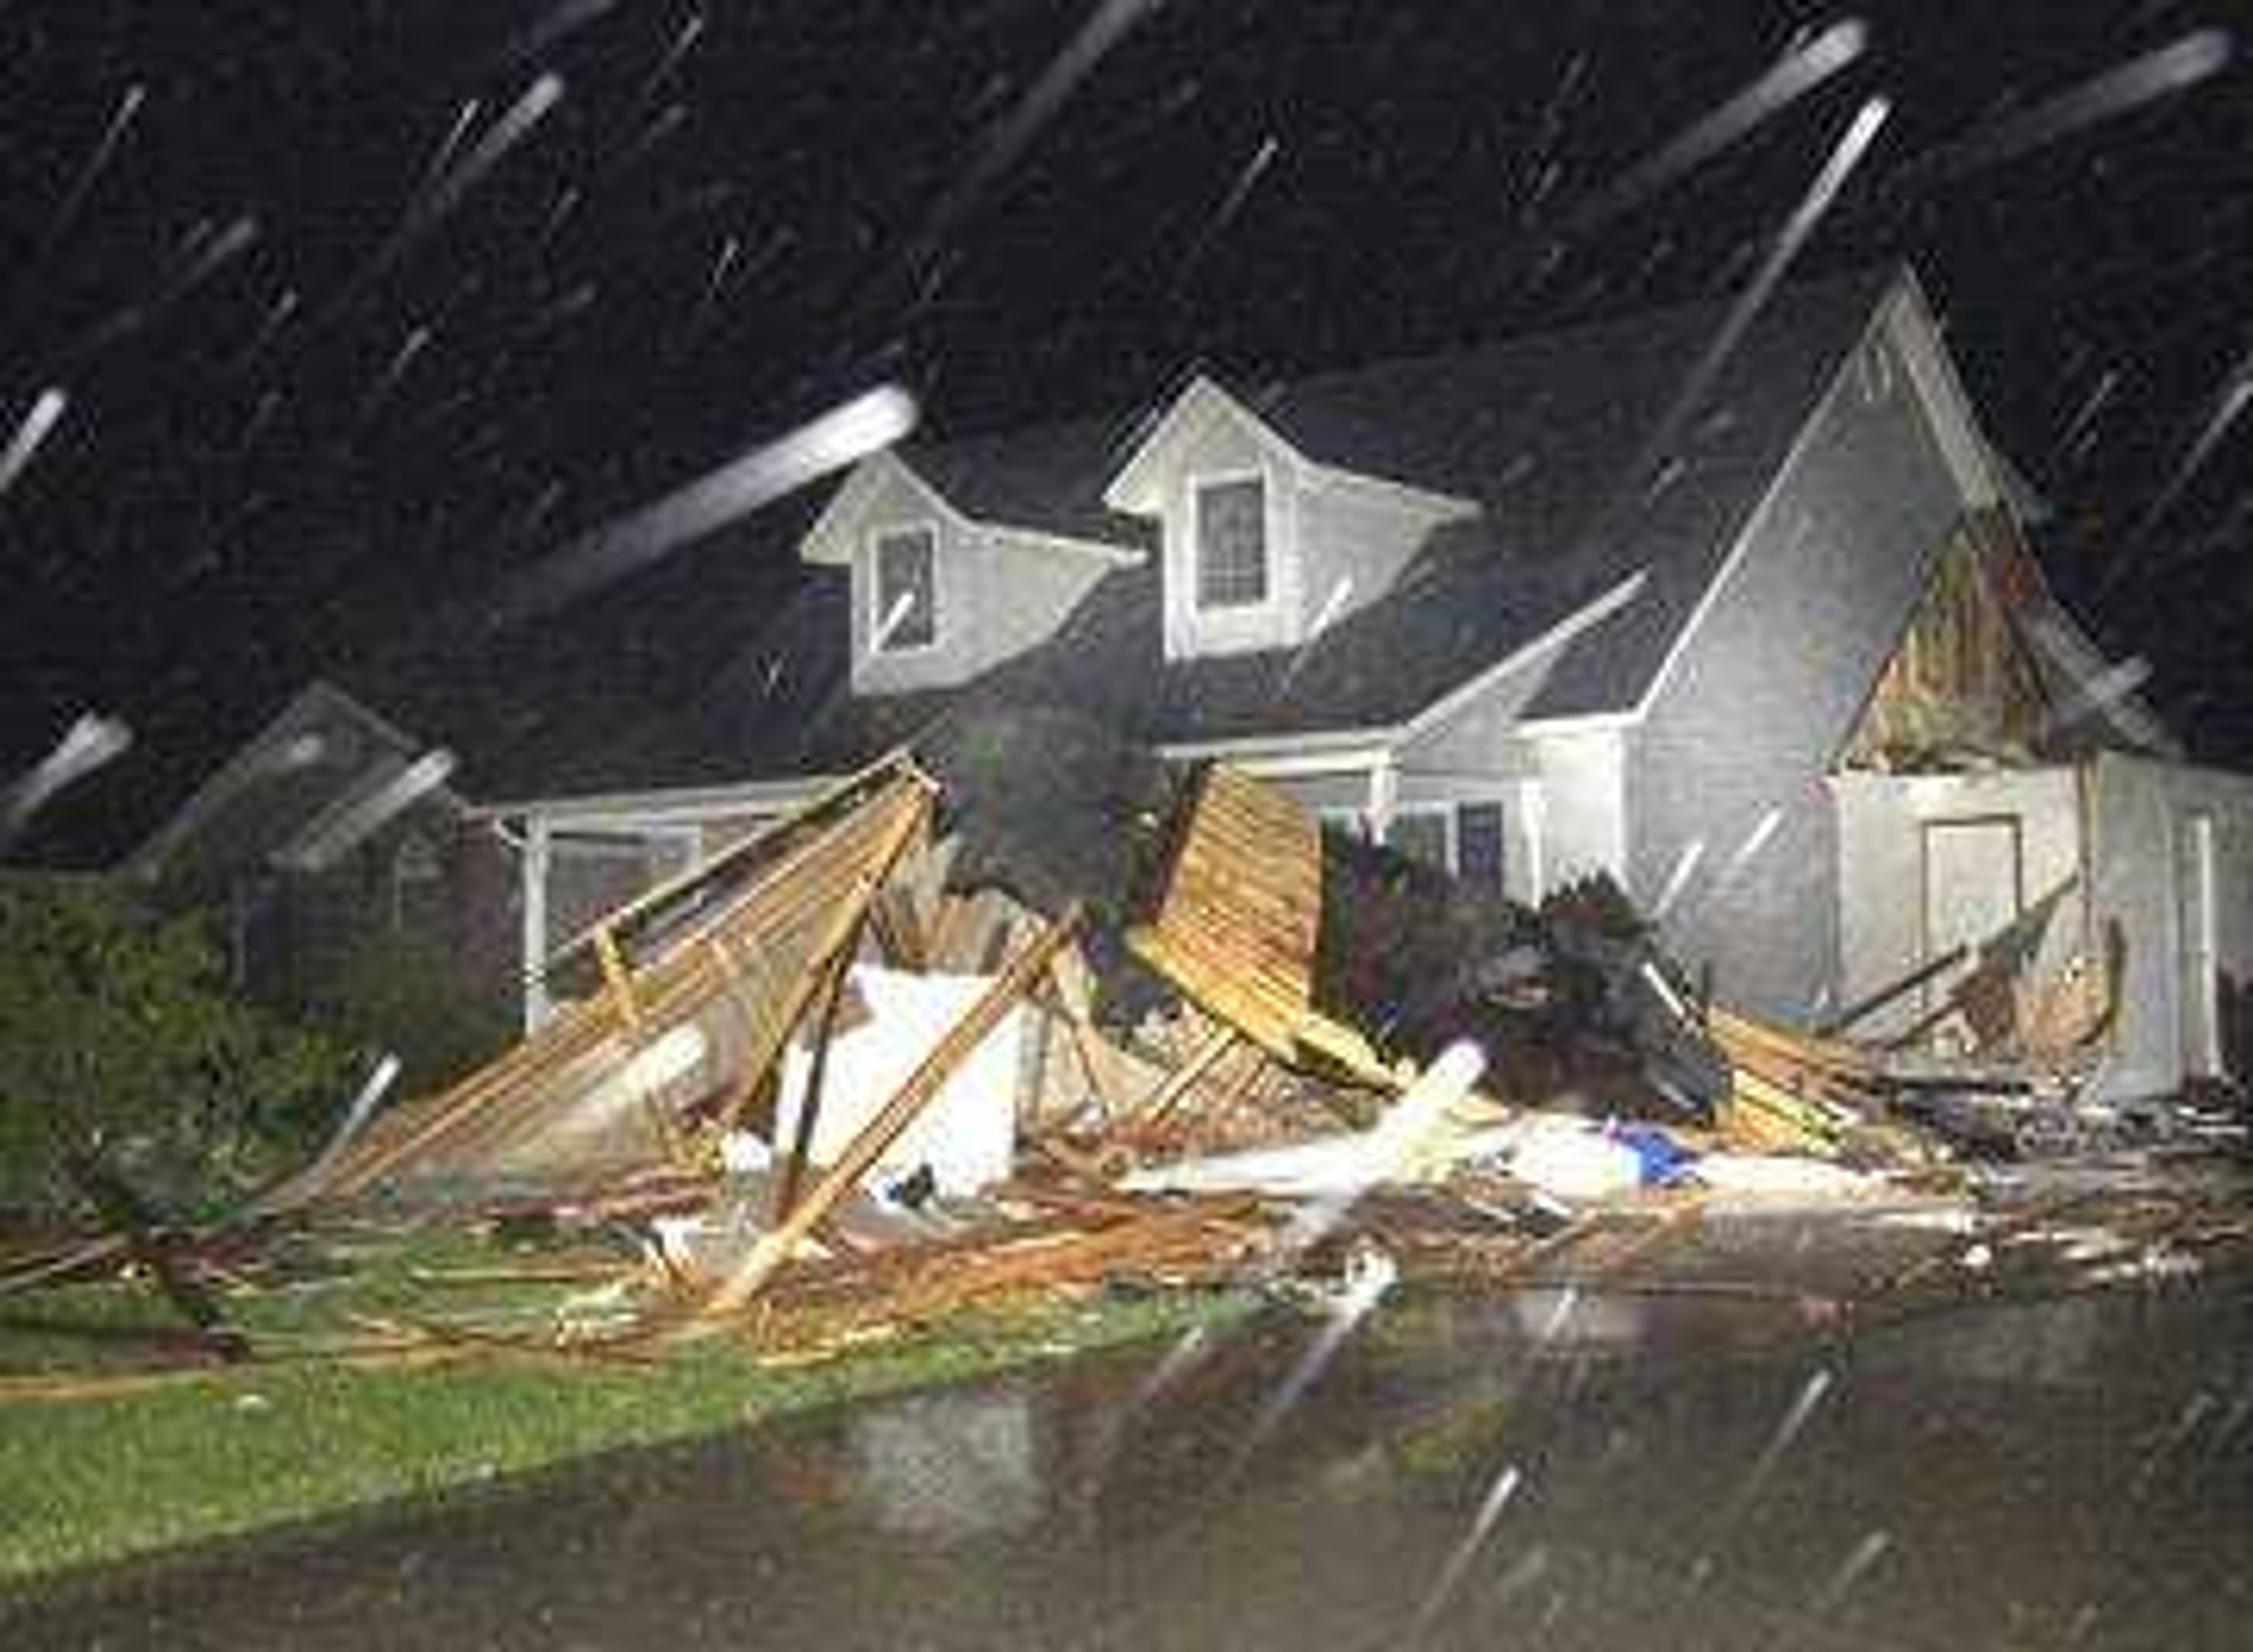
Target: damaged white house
1798 684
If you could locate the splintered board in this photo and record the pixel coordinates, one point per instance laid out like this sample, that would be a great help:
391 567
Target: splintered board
1238 913
1238 919
727 985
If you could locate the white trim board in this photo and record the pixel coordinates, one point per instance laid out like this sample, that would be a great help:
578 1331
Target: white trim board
687 804
1132 491
1603 608
835 534
840 522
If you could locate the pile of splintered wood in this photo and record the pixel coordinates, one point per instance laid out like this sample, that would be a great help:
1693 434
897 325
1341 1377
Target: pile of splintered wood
679 1009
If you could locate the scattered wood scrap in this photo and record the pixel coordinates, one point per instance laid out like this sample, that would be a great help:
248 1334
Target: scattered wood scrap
643 1117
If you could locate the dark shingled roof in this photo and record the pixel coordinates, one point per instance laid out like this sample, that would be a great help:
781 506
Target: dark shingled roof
656 688
1541 431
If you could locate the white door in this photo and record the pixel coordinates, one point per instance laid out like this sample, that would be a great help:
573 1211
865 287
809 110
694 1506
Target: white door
2195 944
1972 889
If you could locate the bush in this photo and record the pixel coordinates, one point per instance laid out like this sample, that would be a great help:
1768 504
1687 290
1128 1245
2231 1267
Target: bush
118 1036
401 994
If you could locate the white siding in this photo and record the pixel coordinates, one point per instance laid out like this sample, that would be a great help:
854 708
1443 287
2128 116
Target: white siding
2139 805
1881 827
997 595
1354 545
1765 689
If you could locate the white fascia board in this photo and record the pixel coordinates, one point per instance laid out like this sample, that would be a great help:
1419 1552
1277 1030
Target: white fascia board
1130 491
1556 637
321 691
1932 372
831 540
1284 756
681 804
2061 639
1446 508
1908 315
2028 502
1037 538
1349 750
1586 723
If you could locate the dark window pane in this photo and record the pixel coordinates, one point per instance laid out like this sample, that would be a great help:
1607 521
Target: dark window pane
1422 836
1478 842
1231 549
907 587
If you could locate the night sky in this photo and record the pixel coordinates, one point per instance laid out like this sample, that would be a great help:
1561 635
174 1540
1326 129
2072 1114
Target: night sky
339 355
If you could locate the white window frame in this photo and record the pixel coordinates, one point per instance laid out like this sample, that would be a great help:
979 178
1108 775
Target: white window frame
1270 542
1445 812
1534 804
878 648
1507 802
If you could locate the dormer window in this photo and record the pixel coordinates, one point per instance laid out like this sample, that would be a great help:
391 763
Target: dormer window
1229 525
904 605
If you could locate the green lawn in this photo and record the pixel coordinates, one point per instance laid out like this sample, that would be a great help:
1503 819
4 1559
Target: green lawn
97 1478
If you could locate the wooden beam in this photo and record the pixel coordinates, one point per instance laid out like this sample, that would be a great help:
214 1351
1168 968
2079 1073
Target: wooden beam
891 765
861 1155
618 981
1862 1009
809 1104
1074 998
1178 1083
146 1243
844 923
674 985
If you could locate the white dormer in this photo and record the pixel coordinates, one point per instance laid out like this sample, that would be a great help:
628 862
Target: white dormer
1225 491
1264 547
939 597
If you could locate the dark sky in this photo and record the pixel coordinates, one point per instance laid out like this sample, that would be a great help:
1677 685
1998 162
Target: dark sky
739 213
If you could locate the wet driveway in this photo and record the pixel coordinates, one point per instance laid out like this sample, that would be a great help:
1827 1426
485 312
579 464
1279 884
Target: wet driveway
1541 1470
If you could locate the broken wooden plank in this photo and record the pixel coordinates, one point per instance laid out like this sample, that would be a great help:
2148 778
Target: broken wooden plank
871 780
1153 1109
142 1229
616 979
837 941
792 917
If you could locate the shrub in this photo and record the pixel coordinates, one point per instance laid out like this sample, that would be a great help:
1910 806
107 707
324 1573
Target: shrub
118 1036
401 994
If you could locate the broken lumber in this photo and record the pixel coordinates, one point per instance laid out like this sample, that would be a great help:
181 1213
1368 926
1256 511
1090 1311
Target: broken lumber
141 1230
792 915
1862 1009
861 1155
